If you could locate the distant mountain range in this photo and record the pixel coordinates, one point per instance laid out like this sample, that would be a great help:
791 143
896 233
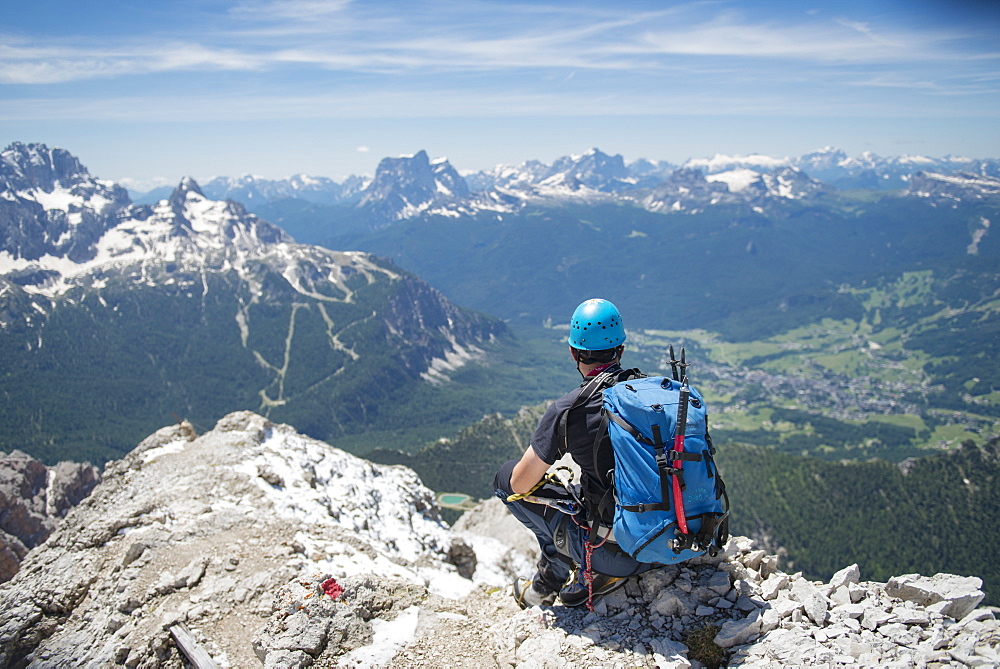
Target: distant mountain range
410 186
749 235
198 306
115 316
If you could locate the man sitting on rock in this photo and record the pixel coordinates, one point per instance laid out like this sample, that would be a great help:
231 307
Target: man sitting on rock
570 425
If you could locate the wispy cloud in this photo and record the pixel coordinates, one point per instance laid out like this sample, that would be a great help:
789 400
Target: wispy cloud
297 10
546 71
440 103
811 41
408 37
272 59
889 81
52 64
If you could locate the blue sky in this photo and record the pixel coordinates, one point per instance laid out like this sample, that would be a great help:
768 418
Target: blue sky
157 91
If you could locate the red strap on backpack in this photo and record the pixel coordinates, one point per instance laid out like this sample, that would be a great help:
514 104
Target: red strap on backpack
679 429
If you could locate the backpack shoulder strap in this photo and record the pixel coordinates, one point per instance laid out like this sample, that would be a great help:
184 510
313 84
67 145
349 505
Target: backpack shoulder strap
606 478
586 392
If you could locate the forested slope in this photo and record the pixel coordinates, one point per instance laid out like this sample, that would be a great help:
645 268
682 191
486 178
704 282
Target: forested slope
928 515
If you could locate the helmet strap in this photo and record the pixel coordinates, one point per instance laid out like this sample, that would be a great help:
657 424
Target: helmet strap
576 358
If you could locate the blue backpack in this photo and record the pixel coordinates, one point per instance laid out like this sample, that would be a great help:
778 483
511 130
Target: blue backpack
656 473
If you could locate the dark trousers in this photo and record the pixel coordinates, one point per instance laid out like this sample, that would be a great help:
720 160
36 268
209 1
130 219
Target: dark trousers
548 523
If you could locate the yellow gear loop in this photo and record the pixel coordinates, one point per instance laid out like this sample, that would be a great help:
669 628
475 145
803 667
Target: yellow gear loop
550 477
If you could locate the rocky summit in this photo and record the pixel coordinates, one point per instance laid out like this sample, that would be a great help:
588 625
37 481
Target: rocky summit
252 545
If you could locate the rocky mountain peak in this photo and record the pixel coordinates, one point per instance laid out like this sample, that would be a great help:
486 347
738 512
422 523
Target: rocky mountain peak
594 169
94 225
184 191
186 185
36 166
594 162
950 189
255 545
793 184
447 180
866 159
403 171
226 519
829 157
408 185
686 189
50 204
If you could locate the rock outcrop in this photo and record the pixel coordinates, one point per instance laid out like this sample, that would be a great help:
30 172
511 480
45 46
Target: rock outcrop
33 499
739 609
205 532
406 186
254 545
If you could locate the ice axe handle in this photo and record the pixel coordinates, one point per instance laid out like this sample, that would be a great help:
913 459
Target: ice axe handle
679 429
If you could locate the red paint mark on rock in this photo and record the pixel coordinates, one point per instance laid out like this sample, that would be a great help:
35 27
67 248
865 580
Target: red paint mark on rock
332 588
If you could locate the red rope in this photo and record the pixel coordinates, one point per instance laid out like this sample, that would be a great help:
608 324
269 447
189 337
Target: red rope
588 575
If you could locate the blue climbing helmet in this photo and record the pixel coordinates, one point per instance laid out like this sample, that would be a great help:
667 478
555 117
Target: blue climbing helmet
596 326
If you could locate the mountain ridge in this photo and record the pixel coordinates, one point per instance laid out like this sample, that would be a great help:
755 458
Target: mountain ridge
591 176
197 305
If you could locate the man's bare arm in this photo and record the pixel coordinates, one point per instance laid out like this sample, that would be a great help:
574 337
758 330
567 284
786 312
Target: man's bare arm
527 472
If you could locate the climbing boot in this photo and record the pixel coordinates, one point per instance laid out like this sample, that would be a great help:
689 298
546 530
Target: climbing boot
576 593
528 593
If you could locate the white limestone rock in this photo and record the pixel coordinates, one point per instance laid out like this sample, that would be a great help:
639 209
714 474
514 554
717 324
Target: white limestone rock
673 653
813 601
772 585
740 631
872 618
845 576
719 583
778 611
958 595
188 530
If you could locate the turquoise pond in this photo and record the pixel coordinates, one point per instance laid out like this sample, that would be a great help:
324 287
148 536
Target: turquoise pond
453 499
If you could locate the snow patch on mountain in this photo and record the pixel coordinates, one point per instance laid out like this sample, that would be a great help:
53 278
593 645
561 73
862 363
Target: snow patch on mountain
724 163
454 358
188 227
952 189
978 233
984 184
737 180
66 200
198 233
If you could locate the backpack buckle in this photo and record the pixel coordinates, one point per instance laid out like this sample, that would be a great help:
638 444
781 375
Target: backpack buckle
684 456
681 542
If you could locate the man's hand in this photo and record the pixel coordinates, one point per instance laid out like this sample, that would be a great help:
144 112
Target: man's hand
527 472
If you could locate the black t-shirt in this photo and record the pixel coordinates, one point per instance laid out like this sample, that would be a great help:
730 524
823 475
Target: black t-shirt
583 426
